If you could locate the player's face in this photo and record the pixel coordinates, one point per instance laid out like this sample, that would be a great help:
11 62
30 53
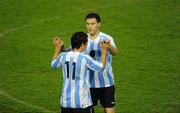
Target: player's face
92 26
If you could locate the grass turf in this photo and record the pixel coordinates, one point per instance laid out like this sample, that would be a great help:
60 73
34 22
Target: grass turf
146 69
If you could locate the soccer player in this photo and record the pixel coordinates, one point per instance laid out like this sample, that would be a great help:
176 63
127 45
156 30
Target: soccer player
75 96
102 82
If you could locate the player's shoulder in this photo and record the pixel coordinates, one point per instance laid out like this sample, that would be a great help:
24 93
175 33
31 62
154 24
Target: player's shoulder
85 56
62 54
65 54
104 35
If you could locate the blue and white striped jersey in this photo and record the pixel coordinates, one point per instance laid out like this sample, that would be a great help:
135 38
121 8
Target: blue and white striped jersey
103 78
75 91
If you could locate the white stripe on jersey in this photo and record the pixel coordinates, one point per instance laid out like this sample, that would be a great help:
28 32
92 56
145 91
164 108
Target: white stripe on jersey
73 103
81 85
96 78
105 77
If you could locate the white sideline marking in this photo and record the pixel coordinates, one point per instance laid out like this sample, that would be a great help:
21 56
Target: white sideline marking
26 25
24 103
122 3
56 18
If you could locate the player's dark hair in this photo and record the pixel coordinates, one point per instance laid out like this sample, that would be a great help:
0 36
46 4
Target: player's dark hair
93 15
78 38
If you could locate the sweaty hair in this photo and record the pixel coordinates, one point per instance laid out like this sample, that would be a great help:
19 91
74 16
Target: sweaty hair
78 38
93 15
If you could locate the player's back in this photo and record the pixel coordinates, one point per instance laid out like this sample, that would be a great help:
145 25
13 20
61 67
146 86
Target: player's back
76 93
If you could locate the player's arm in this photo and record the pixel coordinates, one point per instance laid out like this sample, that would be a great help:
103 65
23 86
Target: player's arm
58 43
55 63
112 47
104 46
95 65
113 50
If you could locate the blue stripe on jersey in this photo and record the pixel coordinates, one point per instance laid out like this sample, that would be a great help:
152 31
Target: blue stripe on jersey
68 95
110 59
57 61
91 45
64 67
68 91
92 80
98 54
109 74
55 64
77 97
64 77
77 90
101 78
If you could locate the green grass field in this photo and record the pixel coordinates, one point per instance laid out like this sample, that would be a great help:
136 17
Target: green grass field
147 68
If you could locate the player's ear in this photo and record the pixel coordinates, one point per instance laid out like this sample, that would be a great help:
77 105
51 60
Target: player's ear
82 45
85 45
99 24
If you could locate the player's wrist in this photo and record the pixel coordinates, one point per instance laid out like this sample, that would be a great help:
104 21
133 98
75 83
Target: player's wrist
104 49
58 48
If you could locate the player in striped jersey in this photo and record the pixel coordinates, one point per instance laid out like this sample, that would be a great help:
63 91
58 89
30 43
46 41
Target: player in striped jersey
102 82
75 96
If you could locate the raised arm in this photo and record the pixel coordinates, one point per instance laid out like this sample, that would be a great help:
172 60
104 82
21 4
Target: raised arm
104 45
58 43
113 50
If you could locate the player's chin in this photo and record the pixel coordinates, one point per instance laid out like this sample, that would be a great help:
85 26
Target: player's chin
91 33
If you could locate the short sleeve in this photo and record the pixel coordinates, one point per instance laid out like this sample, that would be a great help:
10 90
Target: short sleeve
112 42
56 63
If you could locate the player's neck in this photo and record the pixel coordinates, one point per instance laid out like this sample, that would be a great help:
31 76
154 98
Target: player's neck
94 36
77 50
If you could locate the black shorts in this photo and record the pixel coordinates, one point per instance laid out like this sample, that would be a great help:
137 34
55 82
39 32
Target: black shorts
105 95
77 110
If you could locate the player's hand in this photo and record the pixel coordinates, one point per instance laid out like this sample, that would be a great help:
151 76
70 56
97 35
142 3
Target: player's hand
105 44
58 42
